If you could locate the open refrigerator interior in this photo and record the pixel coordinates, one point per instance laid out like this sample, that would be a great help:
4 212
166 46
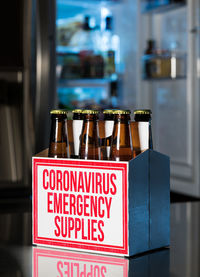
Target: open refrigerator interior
164 78
168 82
95 53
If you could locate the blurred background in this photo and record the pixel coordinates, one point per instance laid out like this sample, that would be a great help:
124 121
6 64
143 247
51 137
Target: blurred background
99 54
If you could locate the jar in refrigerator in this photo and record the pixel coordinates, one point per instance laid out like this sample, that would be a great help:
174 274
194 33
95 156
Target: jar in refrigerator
161 64
58 145
71 66
89 145
77 125
121 145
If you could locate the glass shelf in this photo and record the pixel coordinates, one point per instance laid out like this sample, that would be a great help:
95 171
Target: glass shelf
86 82
88 3
156 7
164 79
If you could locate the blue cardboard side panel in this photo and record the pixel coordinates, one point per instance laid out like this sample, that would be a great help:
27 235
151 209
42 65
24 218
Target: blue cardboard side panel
159 174
138 193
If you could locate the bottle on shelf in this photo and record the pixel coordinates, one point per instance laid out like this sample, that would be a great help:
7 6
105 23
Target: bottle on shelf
90 146
148 64
107 48
121 145
151 46
58 145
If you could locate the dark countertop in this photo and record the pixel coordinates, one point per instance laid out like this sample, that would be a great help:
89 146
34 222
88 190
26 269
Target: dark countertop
18 258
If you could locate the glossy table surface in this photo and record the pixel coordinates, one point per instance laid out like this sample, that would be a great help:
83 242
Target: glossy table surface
19 258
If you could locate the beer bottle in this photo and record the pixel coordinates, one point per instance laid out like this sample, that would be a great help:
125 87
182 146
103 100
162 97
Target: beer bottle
58 145
121 146
135 138
70 138
77 125
143 120
90 148
108 126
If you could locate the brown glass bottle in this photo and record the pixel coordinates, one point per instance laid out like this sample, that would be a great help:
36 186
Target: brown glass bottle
108 127
90 148
135 138
121 146
77 124
143 127
150 47
149 65
58 145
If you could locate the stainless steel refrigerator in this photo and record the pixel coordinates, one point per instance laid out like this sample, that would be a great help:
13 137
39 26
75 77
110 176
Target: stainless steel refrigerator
16 110
27 88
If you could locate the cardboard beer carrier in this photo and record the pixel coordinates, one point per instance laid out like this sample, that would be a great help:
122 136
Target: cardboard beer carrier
116 208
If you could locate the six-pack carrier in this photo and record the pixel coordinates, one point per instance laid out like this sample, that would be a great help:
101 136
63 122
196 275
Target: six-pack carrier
117 208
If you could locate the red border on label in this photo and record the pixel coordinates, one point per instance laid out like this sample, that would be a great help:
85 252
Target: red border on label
52 254
73 244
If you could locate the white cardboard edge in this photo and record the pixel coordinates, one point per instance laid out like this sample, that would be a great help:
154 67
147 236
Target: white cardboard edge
80 160
81 251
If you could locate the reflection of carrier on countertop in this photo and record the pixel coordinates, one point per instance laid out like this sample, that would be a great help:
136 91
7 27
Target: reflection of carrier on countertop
167 262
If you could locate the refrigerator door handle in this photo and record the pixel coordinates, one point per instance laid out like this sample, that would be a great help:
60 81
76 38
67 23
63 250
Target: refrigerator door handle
198 68
195 30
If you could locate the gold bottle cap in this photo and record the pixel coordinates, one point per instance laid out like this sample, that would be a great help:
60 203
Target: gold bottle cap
58 112
90 112
77 111
122 112
108 111
142 112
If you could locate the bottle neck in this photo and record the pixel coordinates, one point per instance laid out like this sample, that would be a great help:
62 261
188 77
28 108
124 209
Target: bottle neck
58 117
142 117
58 128
109 117
77 116
91 117
122 118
